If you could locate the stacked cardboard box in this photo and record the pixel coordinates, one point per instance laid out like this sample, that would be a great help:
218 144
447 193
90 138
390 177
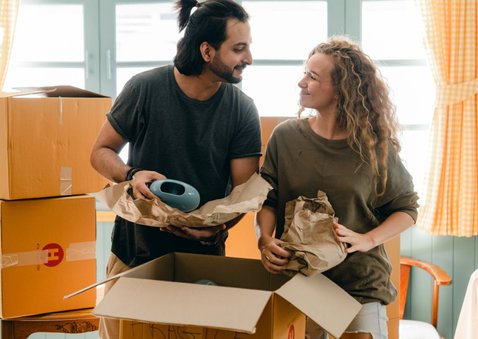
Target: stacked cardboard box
47 218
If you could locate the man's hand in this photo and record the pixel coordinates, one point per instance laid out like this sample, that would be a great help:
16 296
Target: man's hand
141 181
207 234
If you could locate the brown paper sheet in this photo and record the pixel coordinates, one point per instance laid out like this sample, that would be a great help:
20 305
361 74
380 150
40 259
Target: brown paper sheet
244 198
309 234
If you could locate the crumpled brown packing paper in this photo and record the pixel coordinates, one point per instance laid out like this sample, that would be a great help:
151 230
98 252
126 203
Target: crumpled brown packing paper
310 235
244 198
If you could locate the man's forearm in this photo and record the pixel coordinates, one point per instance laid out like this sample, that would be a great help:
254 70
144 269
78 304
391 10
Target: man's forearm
109 164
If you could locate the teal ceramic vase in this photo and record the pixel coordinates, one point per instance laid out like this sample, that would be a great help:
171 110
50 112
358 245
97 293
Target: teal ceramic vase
176 194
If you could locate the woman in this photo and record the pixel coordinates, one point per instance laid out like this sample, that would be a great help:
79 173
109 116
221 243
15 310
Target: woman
349 150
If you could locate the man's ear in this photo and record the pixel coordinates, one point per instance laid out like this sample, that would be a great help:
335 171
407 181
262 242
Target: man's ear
207 51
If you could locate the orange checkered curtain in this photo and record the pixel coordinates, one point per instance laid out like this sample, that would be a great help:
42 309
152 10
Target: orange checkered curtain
8 16
450 204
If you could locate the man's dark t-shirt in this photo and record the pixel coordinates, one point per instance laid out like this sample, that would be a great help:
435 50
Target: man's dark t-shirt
184 139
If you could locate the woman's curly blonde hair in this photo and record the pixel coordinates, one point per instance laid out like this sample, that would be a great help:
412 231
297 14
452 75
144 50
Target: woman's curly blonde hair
364 108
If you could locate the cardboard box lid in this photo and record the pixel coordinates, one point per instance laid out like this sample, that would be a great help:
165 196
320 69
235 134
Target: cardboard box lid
53 92
158 292
175 303
321 300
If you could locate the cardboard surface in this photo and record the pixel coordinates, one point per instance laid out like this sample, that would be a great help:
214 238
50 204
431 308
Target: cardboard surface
163 291
393 309
279 320
48 250
187 304
45 143
319 290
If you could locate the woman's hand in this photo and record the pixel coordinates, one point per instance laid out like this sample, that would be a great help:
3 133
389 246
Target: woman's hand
353 241
395 224
273 257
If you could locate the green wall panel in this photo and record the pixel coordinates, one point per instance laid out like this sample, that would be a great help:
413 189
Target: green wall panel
442 255
458 256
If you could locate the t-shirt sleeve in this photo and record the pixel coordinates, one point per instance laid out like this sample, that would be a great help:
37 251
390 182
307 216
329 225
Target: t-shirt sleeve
247 137
399 195
125 114
269 171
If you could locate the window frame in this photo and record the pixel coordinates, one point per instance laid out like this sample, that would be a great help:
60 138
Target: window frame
100 67
90 63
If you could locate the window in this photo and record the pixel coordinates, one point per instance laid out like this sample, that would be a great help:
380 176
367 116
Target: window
99 45
146 36
279 53
55 44
399 49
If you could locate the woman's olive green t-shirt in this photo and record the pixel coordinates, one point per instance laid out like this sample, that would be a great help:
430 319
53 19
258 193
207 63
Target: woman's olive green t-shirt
298 162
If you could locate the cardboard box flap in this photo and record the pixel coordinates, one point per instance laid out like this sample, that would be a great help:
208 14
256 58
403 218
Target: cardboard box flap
187 267
8 94
219 307
321 300
56 91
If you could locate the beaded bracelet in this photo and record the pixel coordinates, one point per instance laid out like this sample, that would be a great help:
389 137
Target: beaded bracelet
131 172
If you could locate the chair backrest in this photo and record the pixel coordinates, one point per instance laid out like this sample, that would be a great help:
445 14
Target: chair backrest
440 277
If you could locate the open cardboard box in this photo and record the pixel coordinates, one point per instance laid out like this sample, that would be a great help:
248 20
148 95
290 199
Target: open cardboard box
247 302
46 136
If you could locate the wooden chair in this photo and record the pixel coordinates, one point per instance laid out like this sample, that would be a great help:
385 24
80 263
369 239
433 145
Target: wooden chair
77 321
413 328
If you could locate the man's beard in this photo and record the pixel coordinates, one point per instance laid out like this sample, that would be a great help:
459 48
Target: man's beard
224 72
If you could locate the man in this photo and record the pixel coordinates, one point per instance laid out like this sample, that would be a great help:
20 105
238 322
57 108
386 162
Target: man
188 123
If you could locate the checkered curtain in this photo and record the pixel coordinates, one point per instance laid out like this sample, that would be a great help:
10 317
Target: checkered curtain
450 204
8 15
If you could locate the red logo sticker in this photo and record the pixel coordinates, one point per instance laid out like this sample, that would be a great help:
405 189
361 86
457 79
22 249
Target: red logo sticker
291 334
55 254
